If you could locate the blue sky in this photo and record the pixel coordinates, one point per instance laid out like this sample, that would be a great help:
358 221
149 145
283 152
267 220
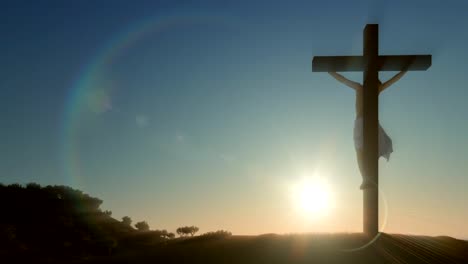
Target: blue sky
181 112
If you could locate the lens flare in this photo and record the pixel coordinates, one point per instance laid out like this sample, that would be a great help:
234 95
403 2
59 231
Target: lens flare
91 91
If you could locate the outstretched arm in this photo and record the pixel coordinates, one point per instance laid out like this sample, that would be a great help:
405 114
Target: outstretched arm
347 82
392 80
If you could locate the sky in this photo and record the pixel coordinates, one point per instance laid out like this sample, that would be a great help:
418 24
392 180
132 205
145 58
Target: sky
207 113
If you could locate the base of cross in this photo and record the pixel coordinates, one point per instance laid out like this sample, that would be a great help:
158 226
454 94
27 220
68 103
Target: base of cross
371 211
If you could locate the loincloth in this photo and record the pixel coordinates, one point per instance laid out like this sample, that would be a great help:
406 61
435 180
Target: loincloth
385 142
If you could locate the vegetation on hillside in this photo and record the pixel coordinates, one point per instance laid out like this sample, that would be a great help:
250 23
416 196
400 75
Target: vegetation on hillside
62 221
58 224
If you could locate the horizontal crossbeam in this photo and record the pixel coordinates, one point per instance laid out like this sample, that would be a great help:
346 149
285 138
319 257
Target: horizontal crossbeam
357 63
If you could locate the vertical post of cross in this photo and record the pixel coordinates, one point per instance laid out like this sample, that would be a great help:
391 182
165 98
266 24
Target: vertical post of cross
371 129
370 64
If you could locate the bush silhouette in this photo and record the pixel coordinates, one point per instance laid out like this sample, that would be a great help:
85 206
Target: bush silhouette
164 234
142 226
217 234
71 223
187 230
127 221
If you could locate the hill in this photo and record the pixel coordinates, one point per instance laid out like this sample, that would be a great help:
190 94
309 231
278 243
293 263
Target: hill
61 222
58 224
313 248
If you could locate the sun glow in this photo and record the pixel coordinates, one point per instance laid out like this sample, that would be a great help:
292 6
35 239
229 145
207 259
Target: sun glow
312 196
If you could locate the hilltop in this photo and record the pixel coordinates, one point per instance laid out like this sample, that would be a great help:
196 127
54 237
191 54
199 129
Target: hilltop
57 224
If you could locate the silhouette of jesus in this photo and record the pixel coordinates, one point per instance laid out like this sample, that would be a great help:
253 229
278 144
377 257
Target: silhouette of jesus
385 143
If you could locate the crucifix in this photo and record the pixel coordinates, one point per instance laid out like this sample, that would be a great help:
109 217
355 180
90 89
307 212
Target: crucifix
370 64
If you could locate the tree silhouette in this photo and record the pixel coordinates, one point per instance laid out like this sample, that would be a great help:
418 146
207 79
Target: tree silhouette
170 235
193 230
164 233
127 220
181 231
71 223
187 230
142 226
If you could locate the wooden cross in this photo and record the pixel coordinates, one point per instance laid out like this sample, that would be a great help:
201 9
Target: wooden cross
370 64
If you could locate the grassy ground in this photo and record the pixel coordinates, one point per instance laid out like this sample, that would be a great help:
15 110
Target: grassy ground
317 248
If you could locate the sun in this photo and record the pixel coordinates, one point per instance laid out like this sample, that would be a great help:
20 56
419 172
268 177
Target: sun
312 196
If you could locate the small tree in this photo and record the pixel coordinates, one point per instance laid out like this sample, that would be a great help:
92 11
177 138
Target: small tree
186 230
142 226
193 230
127 220
181 231
164 234
108 212
167 234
